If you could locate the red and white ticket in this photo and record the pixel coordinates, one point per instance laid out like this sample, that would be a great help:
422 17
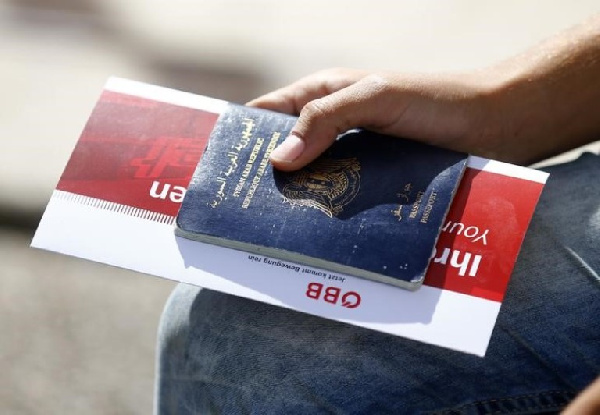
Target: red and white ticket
118 197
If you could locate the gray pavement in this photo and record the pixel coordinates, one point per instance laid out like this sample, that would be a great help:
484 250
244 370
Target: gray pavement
78 337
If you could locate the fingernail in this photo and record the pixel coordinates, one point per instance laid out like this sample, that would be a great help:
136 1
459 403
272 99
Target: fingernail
289 150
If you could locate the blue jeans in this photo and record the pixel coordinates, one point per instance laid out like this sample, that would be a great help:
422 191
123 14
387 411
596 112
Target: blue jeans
223 354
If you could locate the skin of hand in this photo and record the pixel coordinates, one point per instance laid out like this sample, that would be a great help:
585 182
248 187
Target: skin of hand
537 104
587 403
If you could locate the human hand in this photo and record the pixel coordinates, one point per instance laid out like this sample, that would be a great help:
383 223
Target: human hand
534 105
446 110
587 402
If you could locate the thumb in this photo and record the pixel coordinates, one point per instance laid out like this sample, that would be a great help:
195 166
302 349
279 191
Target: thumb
362 104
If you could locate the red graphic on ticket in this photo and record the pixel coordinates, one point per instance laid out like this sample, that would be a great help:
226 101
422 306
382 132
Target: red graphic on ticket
138 152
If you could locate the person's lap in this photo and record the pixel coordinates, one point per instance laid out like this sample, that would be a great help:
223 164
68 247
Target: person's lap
223 354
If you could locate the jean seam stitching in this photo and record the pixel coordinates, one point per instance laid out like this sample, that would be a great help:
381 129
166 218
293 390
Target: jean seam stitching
536 355
563 393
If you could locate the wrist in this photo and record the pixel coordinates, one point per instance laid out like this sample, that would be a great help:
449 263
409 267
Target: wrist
518 126
547 100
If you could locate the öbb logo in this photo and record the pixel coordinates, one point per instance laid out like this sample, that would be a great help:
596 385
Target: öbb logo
333 295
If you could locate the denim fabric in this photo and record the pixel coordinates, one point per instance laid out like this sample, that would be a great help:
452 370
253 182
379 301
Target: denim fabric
223 354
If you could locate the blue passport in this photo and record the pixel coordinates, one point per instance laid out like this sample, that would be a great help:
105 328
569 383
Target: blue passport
370 206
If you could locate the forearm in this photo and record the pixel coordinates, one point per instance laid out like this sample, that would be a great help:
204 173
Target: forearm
547 100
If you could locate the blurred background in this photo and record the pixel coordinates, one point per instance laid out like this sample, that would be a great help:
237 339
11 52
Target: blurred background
78 337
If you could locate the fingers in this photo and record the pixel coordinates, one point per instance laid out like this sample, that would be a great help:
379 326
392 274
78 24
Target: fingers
292 98
437 110
587 402
370 102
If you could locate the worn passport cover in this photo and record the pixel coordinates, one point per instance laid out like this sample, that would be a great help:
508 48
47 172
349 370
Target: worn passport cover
371 205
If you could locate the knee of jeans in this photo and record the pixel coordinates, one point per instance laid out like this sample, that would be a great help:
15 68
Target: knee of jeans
174 327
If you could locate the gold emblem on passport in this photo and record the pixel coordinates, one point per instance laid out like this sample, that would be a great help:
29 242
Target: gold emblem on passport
326 185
